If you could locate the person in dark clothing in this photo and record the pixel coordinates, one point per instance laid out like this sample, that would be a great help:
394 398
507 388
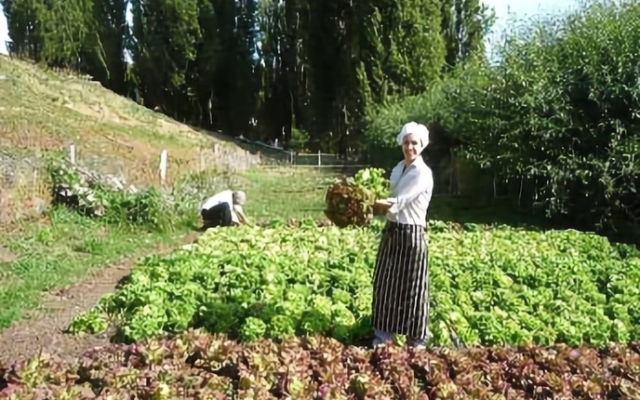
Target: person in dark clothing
224 209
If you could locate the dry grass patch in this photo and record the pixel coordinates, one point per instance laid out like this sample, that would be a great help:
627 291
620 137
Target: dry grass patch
42 109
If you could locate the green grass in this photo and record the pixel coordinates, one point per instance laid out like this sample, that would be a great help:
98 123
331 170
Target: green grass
67 246
299 192
54 254
274 193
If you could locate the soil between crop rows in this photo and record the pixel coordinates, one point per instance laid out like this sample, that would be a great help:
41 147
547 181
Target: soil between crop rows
43 329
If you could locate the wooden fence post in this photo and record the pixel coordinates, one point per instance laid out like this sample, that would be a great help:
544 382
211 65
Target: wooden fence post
163 167
72 154
35 184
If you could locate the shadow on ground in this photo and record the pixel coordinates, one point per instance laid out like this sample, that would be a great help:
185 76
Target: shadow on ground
466 209
254 149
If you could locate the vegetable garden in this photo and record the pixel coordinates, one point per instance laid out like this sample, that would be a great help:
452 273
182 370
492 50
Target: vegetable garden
282 311
490 286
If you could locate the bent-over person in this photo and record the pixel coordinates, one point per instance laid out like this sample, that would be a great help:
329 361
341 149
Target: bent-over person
224 209
401 276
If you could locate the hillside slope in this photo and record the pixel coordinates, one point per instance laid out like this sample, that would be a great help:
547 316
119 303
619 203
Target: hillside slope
46 110
42 111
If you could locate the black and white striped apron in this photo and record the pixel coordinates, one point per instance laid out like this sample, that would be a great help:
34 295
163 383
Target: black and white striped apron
401 281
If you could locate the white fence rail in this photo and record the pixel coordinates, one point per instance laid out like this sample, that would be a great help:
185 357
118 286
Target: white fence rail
275 155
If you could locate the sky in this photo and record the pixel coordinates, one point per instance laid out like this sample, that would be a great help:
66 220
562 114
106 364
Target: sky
505 9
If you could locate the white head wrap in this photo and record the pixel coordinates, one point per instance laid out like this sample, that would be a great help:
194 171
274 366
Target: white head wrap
420 131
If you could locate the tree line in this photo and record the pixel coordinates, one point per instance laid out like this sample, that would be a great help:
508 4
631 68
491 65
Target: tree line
260 68
552 124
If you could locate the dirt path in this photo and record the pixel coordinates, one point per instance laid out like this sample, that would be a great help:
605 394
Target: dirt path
43 328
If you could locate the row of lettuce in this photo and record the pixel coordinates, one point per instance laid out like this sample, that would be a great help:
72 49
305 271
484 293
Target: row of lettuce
489 286
196 365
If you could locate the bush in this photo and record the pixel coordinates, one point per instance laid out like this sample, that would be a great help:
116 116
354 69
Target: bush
557 113
107 197
299 140
562 113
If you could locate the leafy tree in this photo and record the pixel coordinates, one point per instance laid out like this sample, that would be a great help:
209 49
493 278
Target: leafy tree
557 115
166 34
104 51
465 23
24 20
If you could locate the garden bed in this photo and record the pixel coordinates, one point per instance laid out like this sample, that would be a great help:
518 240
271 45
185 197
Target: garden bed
489 286
195 365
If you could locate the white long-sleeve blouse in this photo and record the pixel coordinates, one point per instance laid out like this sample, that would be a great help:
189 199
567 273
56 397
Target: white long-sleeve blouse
411 193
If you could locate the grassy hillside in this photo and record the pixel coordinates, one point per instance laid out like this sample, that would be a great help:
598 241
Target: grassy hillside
46 109
42 113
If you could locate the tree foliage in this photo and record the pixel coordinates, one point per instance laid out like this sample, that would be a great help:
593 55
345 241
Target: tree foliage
257 68
558 114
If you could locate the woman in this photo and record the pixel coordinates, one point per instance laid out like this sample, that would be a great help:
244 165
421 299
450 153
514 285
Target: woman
401 275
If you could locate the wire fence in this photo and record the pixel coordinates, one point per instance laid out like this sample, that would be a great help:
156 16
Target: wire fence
270 155
25 184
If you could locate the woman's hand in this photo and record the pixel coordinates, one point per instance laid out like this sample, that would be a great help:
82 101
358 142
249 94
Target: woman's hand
383 203
381 206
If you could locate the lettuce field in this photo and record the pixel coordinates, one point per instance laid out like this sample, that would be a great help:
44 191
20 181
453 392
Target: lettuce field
283 311
194 365
490 286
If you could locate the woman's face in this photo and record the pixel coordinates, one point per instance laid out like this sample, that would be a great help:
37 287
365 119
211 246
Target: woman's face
410 147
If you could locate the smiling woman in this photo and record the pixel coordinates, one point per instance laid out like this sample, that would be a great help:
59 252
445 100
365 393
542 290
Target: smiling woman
401 276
